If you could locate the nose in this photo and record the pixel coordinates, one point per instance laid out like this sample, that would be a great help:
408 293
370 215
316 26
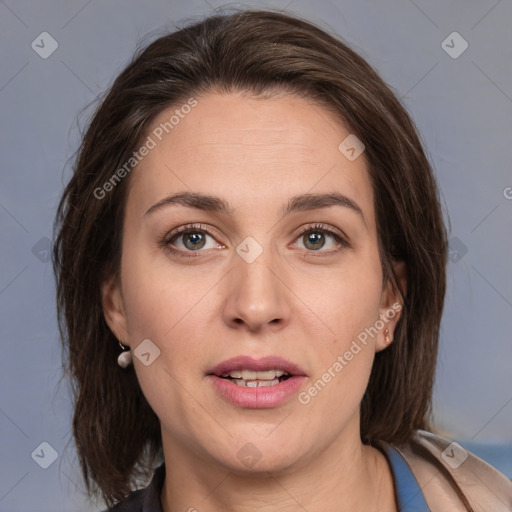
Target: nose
257 298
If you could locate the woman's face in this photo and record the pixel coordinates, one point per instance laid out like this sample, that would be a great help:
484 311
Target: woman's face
281 262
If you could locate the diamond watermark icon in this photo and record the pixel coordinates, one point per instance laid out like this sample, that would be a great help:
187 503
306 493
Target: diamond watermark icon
249 250
249 454
42 249
146 352
454 455
456 249
351 147
44 45
45 455
454 45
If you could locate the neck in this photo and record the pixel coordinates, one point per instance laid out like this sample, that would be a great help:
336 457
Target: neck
345 477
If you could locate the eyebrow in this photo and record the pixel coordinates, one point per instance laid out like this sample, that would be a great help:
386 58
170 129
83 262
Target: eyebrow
217 205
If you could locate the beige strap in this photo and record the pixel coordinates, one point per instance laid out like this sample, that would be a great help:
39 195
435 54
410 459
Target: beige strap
486 488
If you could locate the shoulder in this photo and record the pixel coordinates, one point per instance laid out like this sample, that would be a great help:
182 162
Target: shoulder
484 486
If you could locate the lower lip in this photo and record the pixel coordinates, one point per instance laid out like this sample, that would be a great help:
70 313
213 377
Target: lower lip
256 398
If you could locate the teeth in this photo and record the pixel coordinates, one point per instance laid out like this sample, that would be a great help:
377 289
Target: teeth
252 375
255 383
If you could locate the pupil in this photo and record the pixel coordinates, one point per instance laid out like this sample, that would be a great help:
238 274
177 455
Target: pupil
197 240
314 239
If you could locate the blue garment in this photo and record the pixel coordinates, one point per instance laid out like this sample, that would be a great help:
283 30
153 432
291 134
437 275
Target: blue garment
408 492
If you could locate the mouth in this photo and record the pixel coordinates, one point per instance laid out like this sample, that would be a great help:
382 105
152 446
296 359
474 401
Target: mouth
256 379
256 383
248 369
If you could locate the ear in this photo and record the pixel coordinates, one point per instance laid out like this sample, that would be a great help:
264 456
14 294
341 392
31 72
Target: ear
391 306
113 309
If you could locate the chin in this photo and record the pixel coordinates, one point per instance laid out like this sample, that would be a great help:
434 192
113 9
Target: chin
255 463
261 453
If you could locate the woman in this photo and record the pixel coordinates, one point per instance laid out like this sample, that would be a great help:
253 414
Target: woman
253 220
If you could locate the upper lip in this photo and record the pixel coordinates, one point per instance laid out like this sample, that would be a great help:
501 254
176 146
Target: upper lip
249 363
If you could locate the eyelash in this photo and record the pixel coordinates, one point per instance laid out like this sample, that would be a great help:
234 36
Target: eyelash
194 228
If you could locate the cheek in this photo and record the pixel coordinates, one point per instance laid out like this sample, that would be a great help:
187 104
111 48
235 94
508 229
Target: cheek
347 303
166 308
343 300
342 366
172 309
159 298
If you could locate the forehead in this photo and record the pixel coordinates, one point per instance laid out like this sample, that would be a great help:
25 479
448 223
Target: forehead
251 150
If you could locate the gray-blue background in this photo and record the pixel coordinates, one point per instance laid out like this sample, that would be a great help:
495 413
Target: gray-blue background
462 106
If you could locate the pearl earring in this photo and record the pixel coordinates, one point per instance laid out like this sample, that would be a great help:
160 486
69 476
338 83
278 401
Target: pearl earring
388 338
125 358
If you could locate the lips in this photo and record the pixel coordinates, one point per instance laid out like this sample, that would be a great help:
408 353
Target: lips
267 363
277 380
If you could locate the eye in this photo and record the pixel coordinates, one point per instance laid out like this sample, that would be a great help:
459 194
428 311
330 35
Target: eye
190 238
193 238
318 238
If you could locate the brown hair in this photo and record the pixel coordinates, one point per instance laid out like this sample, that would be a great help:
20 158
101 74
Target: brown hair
117 434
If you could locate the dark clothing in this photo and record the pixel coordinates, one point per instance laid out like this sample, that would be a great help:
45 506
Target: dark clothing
144 500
